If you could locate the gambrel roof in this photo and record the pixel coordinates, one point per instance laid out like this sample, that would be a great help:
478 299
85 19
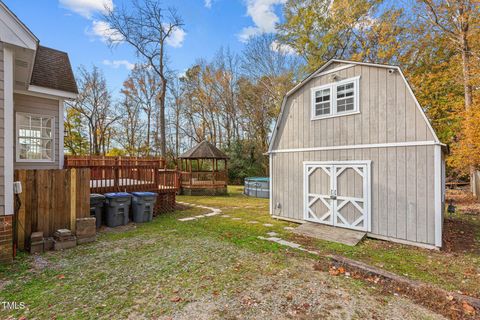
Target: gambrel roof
324 69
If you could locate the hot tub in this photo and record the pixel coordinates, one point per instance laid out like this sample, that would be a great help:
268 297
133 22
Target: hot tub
258 187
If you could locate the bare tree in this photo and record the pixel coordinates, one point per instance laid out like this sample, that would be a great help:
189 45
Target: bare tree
176 103
94 105
147 26
131 127
141 88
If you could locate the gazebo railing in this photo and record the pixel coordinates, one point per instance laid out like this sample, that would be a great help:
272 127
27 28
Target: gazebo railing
203 178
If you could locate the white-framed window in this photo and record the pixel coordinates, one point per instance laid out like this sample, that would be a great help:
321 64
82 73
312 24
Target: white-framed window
336 99
34 137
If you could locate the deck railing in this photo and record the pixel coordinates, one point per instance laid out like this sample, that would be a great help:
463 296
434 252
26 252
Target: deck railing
128 174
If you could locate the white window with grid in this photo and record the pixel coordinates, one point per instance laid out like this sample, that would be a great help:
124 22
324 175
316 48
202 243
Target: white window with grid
336 99
35 138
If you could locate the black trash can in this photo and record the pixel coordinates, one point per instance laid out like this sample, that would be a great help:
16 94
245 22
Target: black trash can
142 206
117 206
96 205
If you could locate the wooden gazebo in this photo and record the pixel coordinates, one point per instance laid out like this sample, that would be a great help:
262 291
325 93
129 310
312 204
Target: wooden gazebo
203 170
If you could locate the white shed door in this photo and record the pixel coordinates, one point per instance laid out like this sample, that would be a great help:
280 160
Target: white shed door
337 194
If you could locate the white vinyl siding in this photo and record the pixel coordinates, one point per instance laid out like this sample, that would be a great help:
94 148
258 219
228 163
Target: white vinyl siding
336 99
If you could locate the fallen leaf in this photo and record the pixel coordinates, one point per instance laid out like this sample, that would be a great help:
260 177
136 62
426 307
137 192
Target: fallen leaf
61 276
333 271
468 308
176 299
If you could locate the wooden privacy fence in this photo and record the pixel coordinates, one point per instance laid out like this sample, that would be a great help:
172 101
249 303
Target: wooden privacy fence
51 200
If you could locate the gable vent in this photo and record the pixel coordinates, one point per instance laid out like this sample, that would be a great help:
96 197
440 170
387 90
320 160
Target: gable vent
21 63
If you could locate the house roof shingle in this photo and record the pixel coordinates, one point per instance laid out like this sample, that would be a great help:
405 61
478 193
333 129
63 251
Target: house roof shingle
52 70
204 150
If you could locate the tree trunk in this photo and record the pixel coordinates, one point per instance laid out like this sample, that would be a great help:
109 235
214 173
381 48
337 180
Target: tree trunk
163 138
148 131
466 71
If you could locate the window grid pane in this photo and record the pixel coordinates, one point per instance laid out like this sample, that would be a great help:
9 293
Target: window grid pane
35 137
322 102
345 97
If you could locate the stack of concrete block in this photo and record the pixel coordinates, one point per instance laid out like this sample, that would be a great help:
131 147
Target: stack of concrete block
86 230
64 239
48 243
36 242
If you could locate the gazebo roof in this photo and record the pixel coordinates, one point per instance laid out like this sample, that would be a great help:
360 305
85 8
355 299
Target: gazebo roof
204 150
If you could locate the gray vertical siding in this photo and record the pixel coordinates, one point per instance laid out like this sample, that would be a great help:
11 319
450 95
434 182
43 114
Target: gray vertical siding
388 114
42 106
2 157
402 203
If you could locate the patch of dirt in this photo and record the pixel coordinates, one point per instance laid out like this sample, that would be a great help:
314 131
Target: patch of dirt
181 207
119 229
40 263
450 304
464 200
301 293
460 236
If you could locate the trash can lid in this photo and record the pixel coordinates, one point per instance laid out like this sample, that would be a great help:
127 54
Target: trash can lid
144 194
97 196
113 195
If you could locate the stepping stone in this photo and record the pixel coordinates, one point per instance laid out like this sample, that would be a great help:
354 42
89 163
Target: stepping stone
289 228
253 222
211 214
272 234
268 225
236 219
225 216
188 219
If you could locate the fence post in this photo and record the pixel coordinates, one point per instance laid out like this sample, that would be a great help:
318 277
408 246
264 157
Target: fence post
116 175
73 199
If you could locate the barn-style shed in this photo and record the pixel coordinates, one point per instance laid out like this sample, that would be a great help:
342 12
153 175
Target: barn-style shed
352 148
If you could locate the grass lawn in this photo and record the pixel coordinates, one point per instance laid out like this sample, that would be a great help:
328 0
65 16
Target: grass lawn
217 268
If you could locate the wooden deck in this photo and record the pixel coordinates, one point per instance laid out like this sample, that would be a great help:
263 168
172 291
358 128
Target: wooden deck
127 174
131 174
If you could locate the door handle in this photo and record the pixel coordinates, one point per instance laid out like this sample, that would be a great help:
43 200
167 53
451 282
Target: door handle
333 194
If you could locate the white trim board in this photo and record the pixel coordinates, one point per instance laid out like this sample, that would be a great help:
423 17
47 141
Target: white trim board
61 128
361 146
270 172
8 134
52 92
13 31
348 66
437 168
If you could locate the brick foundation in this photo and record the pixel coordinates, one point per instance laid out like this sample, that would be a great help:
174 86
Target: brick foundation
6 239
165 203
